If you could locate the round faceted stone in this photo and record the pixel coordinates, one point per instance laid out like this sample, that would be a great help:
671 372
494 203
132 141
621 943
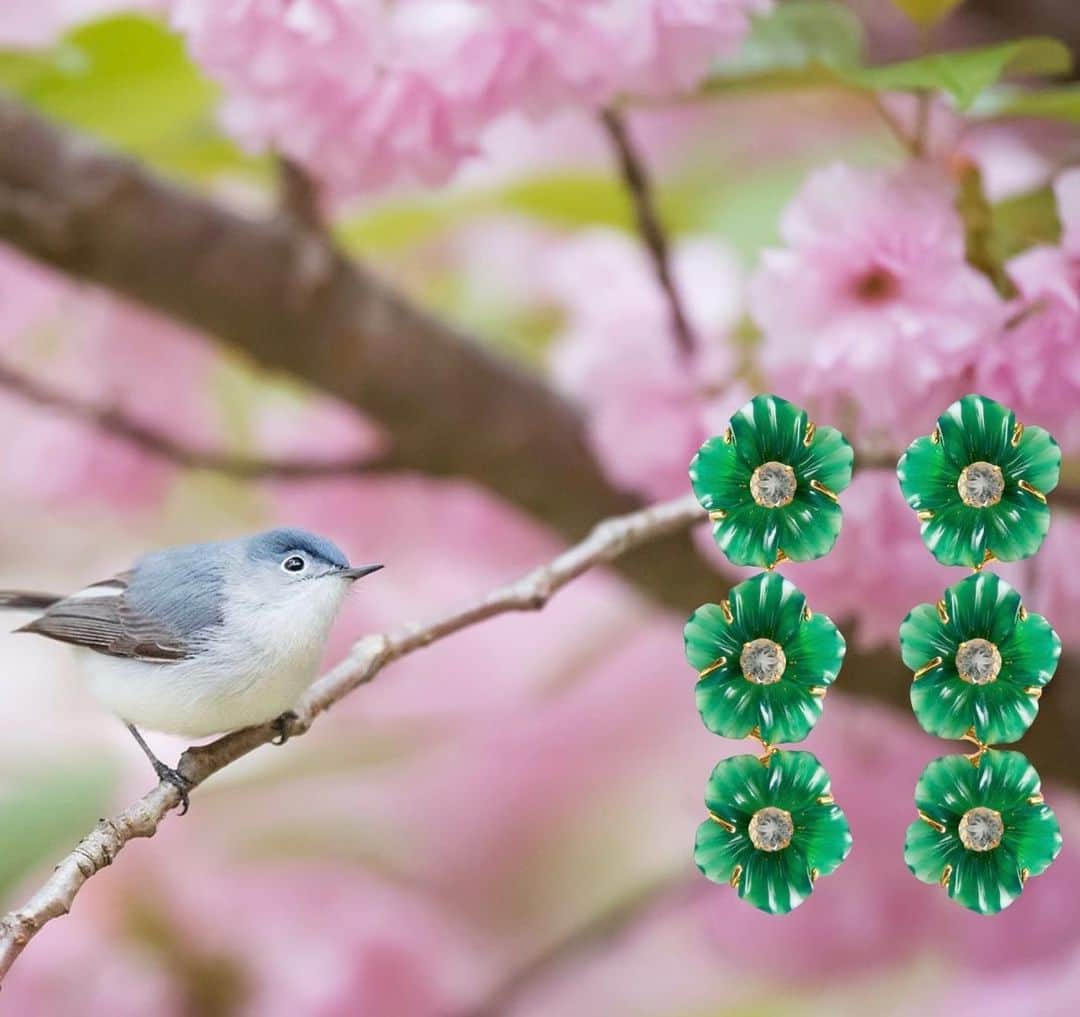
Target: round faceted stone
772 485
978 661
981 829
981 485
771 829
762 661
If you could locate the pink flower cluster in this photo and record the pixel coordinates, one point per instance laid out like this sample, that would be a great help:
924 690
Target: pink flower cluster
368 92
648 405
870 313
1034 365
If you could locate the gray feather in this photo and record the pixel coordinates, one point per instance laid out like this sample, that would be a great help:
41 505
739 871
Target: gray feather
21 600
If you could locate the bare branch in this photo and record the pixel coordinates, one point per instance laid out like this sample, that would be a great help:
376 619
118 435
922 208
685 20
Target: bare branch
118 425
368 657
636 178
300 196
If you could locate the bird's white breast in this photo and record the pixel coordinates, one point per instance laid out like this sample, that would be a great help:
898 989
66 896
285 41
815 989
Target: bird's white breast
251 670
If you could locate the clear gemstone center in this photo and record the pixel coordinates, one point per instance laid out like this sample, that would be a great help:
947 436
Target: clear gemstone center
981 485
762 661
771 829
772 485
978 661
981 829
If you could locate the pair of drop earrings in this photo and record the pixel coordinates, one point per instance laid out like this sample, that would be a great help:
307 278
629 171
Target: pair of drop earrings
771 485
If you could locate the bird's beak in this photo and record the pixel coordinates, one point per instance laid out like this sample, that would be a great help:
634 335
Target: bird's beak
359 572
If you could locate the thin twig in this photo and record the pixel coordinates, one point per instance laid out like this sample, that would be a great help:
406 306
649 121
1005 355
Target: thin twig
893 123
636 178
119 425
368 657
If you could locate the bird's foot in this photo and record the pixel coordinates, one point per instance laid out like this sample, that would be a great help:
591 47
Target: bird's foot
178 781
282 726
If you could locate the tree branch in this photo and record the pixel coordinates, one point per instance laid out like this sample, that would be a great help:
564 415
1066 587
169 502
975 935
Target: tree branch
284 297
636 178
118 425
98 849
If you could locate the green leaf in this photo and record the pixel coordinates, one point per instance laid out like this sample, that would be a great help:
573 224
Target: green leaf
795 46
44 814
128 80
1061 103
926 12
964 74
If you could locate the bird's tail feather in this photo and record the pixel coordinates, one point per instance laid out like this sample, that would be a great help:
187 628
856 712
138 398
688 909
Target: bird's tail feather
21 600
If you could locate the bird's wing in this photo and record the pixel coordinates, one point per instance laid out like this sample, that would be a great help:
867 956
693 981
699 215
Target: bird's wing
102 618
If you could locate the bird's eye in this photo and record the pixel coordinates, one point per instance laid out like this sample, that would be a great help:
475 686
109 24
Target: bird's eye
294 563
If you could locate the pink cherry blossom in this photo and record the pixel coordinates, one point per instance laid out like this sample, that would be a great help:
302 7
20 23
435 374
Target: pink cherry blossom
365 93
871 304
38 24
645 401
1033 364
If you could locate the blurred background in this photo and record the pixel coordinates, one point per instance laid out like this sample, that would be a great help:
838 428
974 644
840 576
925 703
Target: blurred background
503 823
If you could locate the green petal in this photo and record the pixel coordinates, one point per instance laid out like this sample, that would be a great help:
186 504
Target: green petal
708 637
809 526
786 712
986 882
769 428
827 837
828 459
956 535
982 606
927 476
767 606
974 429
749 535
1034 837
718 477
1017 526
729 705
740 785
1005 780
927 852
814 653
923 636
776 883
1030 653
717 852
947 788
1037 459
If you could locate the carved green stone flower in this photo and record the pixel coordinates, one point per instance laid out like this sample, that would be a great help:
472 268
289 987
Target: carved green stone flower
770 484
979 484
764 661
980 661
772 830
982 829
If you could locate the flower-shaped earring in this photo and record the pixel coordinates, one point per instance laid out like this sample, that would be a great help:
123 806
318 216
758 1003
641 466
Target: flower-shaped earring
979 484
771 483
772 831
764 660
982 831
980 659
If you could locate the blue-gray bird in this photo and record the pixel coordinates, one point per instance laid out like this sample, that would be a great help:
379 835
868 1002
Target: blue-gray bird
205 638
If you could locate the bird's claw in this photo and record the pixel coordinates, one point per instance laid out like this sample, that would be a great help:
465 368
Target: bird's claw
281 726
178 781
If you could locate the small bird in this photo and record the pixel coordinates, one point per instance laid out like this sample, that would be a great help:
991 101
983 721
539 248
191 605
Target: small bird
204 638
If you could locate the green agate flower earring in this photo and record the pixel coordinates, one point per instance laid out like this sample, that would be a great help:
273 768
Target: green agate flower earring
980 659
764 660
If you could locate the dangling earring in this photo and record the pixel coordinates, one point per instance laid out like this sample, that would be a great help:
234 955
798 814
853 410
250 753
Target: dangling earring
770 484
980 659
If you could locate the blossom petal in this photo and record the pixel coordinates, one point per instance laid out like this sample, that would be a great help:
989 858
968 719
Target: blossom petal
815 653
809 526
923 636
729 705
767 606
1030 654
827 840
708 636
786 712
927 852
956 535
720 480
927 476
828 459
749 535
987 882
1036 459
1035 837
776 882
975 429
769 428
1016 526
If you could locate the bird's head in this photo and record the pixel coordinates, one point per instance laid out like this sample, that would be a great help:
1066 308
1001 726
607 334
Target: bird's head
294 560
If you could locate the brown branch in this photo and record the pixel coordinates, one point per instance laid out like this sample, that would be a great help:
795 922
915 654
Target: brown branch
118 425
636 178
98 849
300 196
289 301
